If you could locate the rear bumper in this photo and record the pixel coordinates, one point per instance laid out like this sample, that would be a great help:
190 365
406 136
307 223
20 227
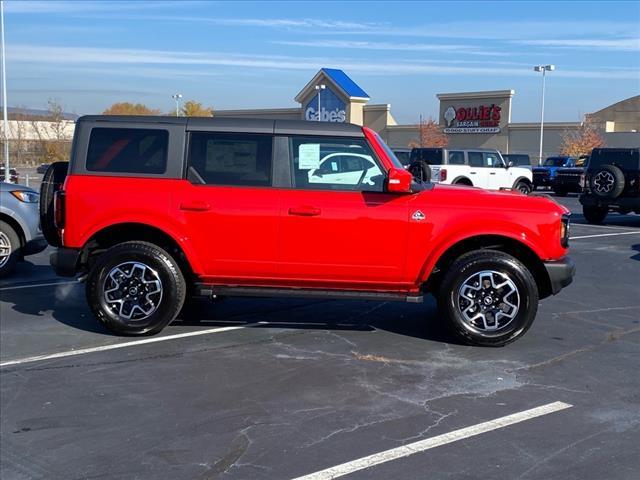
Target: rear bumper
560 273
35 245
65 262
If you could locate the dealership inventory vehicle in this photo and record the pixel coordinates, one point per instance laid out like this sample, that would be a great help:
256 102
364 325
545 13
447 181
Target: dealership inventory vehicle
611 183
20 233
13 175
404 155
568 179
151 210
544 175
476 168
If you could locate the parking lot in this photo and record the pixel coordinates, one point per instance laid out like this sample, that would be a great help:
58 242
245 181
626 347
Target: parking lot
276 388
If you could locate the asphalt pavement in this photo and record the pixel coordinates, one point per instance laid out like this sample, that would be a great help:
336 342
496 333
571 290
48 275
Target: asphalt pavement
281 389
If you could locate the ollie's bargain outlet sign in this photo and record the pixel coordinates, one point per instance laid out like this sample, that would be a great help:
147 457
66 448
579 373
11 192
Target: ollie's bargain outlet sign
480 119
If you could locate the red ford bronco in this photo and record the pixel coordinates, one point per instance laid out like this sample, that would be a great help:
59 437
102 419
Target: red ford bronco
153 210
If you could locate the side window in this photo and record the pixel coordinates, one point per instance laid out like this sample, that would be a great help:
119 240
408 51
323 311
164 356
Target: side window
231 158
492 160
127 150
475 159
325 163
456 158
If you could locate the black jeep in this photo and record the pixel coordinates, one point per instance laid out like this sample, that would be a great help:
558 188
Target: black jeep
611 183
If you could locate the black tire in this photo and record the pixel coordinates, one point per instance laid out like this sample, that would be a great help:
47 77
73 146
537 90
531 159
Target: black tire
420 171
594 215
523 187
51 183
607 182
9 239
560 192
523 287
464 183
161 267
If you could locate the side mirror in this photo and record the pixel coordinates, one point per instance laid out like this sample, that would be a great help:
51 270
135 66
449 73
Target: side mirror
399 181
317 173
509 164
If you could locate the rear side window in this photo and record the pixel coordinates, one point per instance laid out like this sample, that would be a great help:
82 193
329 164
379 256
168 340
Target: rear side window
432 156
475 159
240 159
128 150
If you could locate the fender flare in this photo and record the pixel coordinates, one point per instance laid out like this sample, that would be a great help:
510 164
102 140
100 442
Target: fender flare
461 177
522 179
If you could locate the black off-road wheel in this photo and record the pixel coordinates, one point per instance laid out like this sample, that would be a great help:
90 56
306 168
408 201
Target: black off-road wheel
420 170
594 215
51 183
10 249
135 288
607 182
489 298
523 187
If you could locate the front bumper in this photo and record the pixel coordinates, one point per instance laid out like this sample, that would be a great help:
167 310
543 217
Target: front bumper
560 273
35 245
65 261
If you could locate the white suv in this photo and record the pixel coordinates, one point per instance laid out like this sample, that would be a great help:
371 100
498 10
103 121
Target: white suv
478 168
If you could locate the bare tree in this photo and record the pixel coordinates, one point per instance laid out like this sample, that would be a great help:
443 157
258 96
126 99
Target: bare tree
430 135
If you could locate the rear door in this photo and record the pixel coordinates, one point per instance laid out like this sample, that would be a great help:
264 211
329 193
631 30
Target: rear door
228 206
343 234
477 173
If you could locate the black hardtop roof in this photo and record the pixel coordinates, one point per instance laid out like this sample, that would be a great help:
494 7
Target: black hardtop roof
228 124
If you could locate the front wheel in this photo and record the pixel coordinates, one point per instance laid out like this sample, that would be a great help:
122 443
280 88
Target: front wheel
135 288
595 215
489 298
9 249
523 188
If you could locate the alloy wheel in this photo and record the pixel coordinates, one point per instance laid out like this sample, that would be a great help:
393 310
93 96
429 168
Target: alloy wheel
132 291
488 301
5 249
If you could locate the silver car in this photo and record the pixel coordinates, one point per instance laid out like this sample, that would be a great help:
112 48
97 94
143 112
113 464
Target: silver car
20 233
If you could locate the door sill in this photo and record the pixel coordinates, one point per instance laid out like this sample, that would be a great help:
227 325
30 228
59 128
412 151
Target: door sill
204 290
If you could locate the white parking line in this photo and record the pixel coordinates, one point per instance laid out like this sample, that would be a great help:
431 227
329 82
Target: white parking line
604 235
103 348
433 442
2 289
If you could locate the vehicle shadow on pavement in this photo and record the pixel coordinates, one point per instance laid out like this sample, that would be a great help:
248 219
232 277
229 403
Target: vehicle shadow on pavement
636 247
612 220
25 272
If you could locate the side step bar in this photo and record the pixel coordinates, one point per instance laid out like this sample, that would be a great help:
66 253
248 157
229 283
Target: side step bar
209 291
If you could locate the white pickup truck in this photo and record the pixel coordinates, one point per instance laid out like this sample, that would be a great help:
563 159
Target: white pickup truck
477 167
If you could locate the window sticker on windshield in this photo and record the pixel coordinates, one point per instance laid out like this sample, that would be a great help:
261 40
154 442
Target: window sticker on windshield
309 156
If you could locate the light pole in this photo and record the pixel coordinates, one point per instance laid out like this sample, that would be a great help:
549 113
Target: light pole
177 98
319 88
544 69
7 173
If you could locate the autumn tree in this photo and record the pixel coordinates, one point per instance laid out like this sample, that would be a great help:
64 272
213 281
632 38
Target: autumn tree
126 108
581 141
431 135
191 108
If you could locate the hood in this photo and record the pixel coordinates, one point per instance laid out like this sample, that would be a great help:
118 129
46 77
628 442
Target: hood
474 197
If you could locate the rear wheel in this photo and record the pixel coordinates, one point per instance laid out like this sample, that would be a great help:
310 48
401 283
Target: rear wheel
9 248
595 215
51 183
135 288
523 187
489 298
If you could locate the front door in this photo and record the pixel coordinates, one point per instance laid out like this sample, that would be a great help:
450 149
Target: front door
229 210
339 228
498 173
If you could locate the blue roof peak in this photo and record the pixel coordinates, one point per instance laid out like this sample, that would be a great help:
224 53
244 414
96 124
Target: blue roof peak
343 81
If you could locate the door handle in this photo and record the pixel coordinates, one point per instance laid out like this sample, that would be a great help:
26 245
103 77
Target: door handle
473 173
195 206
492 173
305 211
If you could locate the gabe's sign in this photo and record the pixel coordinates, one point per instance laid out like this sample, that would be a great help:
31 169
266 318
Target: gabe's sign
480 119
331 108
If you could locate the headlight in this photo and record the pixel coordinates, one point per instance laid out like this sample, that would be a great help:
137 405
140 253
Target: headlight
564 231
27 197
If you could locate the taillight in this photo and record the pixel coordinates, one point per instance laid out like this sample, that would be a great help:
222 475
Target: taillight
443 174
58 209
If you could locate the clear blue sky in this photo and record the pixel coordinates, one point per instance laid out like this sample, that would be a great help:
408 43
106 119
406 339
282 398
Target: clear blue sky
88 55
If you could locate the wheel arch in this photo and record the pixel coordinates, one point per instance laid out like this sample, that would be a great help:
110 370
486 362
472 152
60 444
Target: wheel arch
511 246
462 180
114 234
524 180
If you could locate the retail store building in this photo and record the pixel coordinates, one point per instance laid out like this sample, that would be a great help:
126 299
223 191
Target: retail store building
470 119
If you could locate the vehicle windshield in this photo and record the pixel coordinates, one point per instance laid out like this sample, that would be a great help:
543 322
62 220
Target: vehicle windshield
556 162
392 156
